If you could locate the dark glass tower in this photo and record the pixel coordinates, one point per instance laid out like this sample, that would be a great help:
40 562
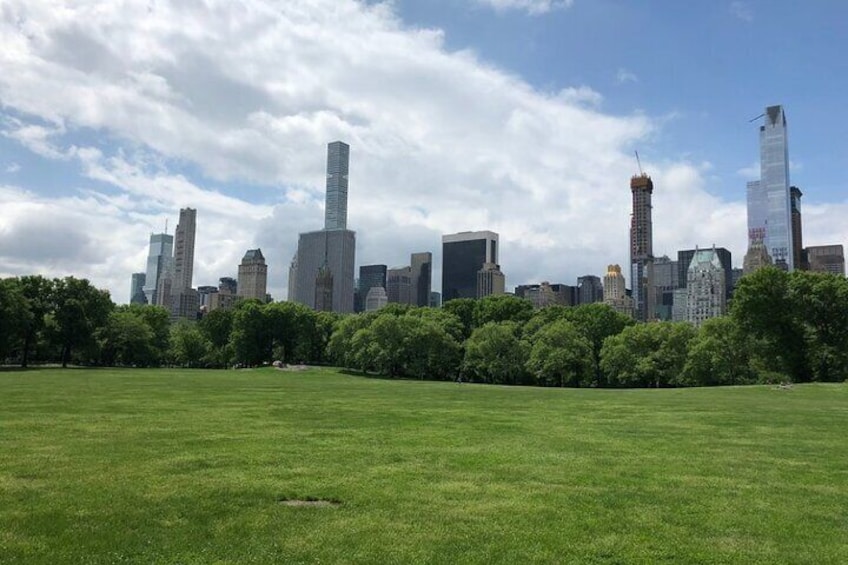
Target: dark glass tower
463 255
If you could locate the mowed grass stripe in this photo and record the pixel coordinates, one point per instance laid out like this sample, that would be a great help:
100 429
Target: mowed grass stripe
173 466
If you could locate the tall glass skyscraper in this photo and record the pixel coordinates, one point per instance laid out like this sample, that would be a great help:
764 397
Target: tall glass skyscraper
769 203
159 260
463 255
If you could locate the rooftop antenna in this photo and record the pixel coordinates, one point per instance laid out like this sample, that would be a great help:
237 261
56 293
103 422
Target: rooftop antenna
638 162
757 118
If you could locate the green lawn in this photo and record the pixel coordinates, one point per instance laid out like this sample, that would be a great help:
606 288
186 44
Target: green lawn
168 466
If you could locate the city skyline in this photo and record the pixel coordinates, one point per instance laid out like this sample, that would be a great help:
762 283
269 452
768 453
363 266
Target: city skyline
464 133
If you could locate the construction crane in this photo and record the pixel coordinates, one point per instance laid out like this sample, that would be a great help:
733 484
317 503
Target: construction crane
638 162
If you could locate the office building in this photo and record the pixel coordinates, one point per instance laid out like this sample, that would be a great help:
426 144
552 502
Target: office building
253 275
642 248
158 260
706 287
137 289
331 250
369 277
421 269
547 294
463 256
769 199
435 299
226 296
826 259
398 285
184 237
589 289
666 277
490 280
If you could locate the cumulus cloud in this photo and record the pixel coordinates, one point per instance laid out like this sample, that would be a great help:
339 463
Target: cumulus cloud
227 107
12 168
532 7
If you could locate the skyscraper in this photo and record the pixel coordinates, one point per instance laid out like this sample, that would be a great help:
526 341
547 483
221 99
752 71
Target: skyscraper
615 291
399 285
642 248
332 249
253 275
795 195
159 257
684 261
463 255
589 289
183 300
421 268
490 280
769 202
370 276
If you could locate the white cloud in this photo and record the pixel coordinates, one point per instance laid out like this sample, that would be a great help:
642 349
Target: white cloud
12 168
750 172
532 7
250 93
742 11
623 76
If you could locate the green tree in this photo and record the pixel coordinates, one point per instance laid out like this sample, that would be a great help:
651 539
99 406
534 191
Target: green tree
822 307
340 348
765 308
446 320
495 354
561 356
38 292
14 315
597 322
293 330
720 354
189 348
79 310
463 309
502 308
430 349
127 339
216 327
647 355
250 338
544 316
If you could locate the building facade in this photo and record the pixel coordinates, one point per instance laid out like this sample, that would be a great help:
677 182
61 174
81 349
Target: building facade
369 277
795 195
684 260
666 280
376 298
399 285
826 259
463 256
338 162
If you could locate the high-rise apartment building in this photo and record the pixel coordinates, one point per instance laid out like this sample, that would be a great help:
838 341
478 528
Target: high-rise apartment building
706 287
335 210
684 261
642 248
490 280
615 292
159 258
795 195
253 275
769 199
137 289
463 256
421 278
666 277
331 250
183 300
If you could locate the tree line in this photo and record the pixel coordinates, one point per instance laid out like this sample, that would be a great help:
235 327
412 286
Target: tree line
781 327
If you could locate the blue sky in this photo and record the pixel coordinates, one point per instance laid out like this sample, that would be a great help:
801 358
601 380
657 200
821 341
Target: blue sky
519 116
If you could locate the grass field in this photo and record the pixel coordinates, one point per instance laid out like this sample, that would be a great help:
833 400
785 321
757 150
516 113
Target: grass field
162 466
